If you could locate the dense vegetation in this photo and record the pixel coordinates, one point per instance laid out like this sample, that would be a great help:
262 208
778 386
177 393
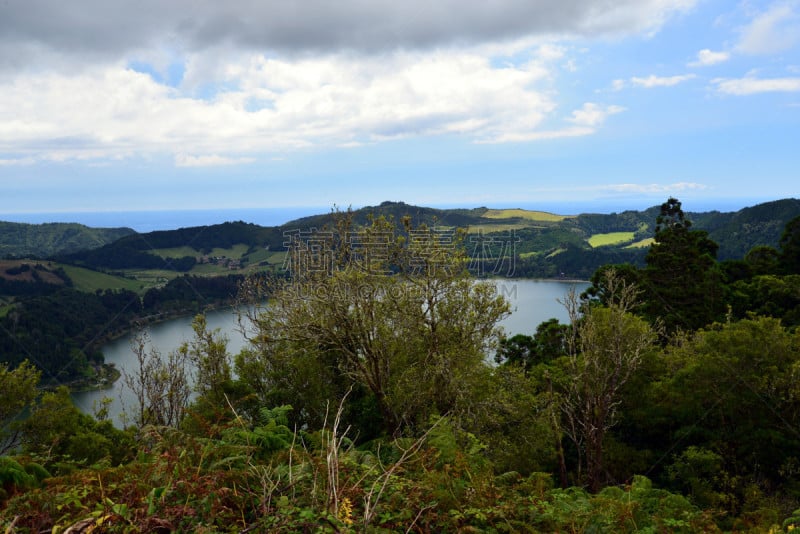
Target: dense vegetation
20 240
364 402
141 250
65 345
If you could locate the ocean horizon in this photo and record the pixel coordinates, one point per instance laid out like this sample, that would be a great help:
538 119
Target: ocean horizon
154 220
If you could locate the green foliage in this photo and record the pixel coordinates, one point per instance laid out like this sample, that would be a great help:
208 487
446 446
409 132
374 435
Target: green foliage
413 340
44 240
682 282
270 434
64 438
790 247
547 344
17 392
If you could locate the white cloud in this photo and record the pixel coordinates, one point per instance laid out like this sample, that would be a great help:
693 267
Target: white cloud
593 115
773 31
657 81
210 160
586 120
707 58
751 86
261 104
653 188
16 162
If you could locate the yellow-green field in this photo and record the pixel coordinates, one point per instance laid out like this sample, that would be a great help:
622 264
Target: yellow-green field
611 238
524 255
541 216
488 228
643 243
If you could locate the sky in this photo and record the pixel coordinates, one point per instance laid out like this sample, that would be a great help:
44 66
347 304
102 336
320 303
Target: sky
567 105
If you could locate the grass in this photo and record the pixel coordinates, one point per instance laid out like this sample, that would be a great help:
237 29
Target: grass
234 252
541 216
276 258
612 238
176 252
90 281
260 254
489 228
643 243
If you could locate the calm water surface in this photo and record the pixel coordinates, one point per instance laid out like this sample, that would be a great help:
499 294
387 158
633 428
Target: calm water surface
532 302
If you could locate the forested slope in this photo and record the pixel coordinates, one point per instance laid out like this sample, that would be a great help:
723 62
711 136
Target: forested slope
20 240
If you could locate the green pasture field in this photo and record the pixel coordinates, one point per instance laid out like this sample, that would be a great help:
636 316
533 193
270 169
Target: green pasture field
612 238
175 252
260 254
273 258
530 215
235 252
643 243
90 281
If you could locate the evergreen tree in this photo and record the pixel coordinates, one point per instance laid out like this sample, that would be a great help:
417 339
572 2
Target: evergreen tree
682 280
790 247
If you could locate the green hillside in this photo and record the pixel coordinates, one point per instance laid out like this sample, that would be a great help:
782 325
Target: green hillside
21 240
542 244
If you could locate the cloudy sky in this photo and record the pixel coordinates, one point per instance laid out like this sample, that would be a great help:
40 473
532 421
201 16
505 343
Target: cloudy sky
563 104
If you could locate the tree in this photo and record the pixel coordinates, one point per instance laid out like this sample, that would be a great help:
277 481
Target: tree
607 347
17 391
790 247
682 282
547 344
763 260
733 390
160 384
62 436
208 351
401 319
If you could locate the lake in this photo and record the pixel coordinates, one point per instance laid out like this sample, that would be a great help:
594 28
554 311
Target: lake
532 302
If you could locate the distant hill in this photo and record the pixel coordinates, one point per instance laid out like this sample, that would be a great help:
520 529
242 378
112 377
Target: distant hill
177 250
544 244
738 232
21 240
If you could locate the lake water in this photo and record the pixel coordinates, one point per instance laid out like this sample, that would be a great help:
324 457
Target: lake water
532 302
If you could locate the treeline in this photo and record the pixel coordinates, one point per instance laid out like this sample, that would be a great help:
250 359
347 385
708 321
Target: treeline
61 331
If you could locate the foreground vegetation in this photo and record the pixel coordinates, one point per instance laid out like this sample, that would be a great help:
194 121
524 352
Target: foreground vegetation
365 403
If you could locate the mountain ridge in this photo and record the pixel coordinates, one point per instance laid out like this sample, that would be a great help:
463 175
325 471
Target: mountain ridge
546 244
